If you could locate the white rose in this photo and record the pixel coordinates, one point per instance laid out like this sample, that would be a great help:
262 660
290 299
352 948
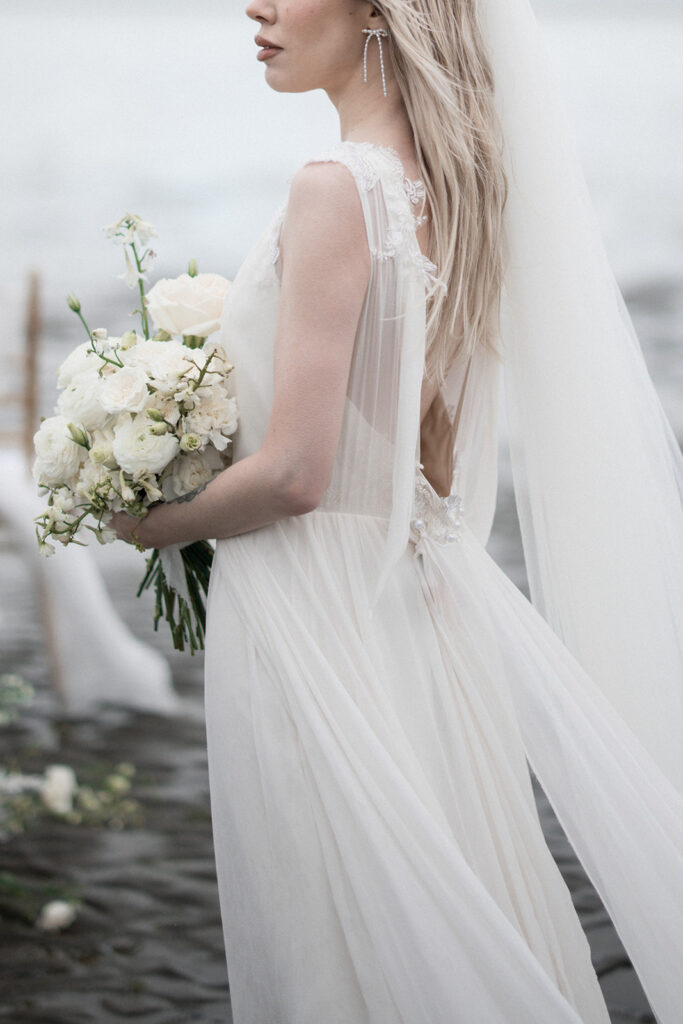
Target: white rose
80 401
137 450
80 360
56 915
213 418
164 362
191 471
57 791
125 390
188 305
58 455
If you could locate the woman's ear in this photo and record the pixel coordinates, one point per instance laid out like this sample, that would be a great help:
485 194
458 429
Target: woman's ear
375 18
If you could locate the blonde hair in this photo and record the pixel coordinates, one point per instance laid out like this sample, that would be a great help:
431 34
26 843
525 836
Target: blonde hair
445 78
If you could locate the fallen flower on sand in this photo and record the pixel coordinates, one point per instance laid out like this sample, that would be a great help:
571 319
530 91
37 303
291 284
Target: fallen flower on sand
56 915
58 788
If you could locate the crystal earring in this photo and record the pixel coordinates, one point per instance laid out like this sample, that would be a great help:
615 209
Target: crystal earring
379 33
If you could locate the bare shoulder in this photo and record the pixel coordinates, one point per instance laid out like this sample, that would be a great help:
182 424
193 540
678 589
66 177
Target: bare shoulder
329 183
324 210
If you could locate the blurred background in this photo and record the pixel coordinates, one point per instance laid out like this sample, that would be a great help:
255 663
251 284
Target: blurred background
162 109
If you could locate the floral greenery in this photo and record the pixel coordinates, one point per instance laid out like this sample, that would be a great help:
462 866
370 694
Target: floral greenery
22 898
187 622
15 693
104 803
102 799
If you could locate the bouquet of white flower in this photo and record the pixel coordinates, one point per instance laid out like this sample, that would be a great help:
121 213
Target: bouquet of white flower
142 419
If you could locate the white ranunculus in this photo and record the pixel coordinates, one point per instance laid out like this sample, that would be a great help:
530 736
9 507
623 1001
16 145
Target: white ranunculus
191 471
137 450
81 360
164 362
58 455
188 305
56 915
214 417
125 390
80 401
58 788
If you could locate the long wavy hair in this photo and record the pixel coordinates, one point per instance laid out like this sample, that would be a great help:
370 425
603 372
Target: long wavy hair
446 81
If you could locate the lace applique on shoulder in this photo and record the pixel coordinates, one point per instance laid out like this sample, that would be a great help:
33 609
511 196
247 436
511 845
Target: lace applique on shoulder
369 163
357 156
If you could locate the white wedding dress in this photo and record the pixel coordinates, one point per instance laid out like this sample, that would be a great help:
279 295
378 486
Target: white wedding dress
374 687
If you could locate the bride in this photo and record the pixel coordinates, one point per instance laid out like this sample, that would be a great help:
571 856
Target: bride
376 688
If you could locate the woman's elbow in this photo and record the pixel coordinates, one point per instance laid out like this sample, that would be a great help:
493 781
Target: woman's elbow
301 489
303 494
297 479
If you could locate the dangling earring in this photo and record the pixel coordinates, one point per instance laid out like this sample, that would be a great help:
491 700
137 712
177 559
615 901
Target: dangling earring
379 33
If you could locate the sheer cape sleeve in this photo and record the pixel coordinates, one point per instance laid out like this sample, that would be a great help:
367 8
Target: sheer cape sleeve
379 448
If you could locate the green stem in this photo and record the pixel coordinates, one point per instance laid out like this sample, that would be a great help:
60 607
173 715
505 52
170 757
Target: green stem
143 307
87 329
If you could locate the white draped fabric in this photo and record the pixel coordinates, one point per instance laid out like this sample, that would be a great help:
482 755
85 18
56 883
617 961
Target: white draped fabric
598 472
95 657
374 687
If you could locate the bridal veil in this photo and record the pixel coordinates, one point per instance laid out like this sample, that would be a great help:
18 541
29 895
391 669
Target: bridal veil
598 473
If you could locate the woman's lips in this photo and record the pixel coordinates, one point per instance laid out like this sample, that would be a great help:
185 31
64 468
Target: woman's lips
267 52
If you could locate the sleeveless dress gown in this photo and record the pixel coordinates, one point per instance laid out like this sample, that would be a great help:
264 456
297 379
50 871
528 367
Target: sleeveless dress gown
379 854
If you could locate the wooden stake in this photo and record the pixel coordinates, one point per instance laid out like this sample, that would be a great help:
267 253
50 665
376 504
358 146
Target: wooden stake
32 336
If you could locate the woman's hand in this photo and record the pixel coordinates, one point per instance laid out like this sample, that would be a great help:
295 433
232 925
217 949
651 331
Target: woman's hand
133 530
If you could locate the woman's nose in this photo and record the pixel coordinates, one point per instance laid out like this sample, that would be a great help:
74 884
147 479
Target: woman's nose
259 10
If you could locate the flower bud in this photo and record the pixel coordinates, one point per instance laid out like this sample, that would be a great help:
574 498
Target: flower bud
158 429
192 268
193 340
127 492
162 336
118 784
74 304
99 334
155 415
190 443
106 535
45 549
128 339
79 435
101 453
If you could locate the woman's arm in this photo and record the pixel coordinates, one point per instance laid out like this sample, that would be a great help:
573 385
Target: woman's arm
325 273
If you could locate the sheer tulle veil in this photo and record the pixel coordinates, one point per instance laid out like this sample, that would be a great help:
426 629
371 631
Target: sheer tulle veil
598 473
